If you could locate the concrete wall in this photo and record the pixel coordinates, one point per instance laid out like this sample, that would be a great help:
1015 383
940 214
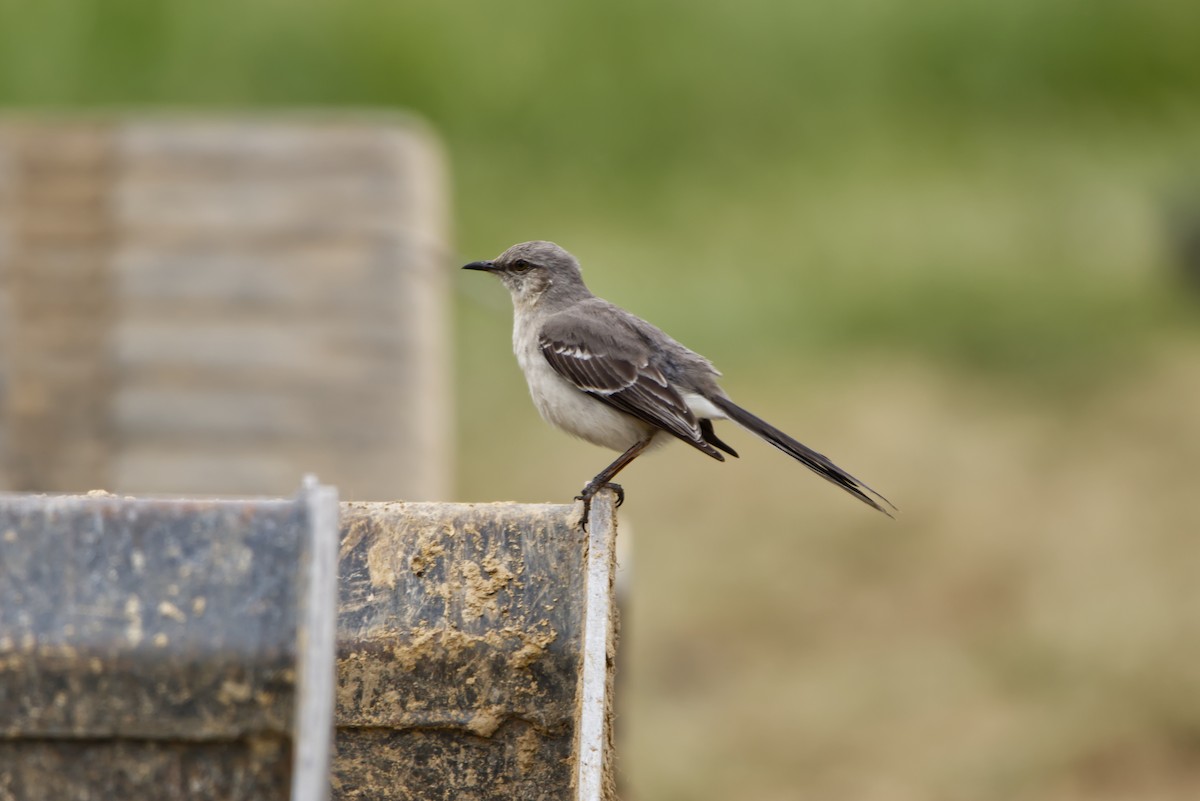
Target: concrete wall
218 305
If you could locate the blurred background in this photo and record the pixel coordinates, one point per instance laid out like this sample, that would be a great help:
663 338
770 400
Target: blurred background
953 245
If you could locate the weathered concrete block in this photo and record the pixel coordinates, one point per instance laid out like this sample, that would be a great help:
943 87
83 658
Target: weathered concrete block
214 306
166 649
475 648
186 649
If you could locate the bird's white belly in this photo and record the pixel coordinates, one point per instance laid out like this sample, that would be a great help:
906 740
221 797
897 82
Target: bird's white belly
562 404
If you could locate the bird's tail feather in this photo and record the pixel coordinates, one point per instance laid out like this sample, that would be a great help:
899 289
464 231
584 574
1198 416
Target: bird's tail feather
818 463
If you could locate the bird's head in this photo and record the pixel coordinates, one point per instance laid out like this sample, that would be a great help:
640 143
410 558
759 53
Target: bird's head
535 270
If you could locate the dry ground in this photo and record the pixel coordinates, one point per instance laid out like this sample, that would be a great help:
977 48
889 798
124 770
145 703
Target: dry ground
1028 629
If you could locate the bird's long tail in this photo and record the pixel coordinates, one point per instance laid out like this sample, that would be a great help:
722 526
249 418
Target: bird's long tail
816 462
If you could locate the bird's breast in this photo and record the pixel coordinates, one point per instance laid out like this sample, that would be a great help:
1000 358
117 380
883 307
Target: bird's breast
569 408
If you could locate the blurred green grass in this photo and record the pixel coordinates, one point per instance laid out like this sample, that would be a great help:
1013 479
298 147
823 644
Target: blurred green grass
928 237
824 175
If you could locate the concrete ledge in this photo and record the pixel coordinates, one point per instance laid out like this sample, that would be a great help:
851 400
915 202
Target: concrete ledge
473 646
175 649
165 649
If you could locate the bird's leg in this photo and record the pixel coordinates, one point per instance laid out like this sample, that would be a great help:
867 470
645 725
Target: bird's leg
605 477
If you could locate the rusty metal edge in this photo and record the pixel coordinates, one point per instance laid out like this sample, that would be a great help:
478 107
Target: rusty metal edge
593 771
312 745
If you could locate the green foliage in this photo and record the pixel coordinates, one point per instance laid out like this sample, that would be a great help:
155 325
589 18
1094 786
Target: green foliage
896 170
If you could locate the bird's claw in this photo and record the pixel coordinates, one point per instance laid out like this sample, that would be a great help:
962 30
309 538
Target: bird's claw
592 488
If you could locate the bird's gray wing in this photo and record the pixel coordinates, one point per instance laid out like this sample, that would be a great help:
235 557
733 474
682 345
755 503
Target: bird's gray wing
611 362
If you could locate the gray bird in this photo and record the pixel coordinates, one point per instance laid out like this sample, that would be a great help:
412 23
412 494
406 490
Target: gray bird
604 375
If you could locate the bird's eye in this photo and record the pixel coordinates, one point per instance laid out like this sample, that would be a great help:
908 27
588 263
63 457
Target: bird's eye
520 266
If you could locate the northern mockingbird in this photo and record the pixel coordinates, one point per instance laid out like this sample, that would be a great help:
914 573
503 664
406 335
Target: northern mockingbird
600 373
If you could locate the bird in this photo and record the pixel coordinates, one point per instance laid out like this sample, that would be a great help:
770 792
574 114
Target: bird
605 375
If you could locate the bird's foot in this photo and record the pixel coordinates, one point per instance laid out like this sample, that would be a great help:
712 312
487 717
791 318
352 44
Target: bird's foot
589 492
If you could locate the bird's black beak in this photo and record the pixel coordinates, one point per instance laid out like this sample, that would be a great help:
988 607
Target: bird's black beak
486 266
